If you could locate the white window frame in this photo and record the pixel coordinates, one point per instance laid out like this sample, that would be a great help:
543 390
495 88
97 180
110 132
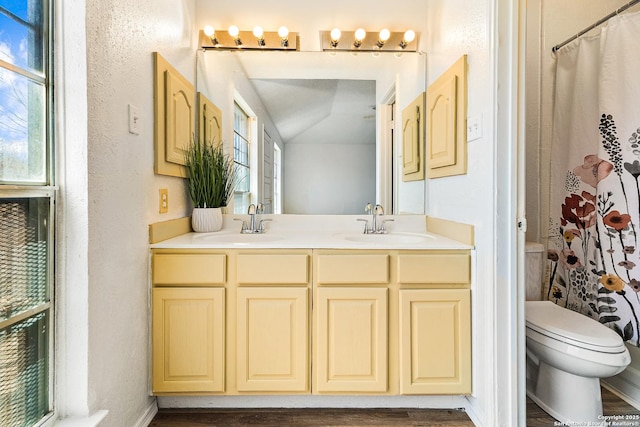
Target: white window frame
46 190
252 130
277 179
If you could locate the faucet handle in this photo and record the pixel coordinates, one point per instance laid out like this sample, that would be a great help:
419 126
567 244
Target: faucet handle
383 228
244 224
261 225
366 225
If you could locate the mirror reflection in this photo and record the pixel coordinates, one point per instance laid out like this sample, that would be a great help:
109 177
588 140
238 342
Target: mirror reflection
312 132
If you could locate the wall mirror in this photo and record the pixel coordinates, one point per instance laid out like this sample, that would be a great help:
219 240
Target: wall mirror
322 139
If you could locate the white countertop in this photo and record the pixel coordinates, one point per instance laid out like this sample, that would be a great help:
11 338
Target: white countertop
317 232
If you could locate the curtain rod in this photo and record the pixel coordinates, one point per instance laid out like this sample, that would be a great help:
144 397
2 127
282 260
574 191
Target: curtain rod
600 22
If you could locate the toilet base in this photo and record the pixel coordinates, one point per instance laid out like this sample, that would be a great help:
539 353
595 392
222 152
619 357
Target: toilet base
567 397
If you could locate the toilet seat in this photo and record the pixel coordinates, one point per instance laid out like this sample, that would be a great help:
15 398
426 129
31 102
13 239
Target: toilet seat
572 328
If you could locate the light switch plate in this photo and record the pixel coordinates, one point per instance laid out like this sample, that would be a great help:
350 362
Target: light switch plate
474 128
134 120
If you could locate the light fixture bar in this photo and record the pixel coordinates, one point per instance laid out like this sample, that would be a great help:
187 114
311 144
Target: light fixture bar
371 42
270 41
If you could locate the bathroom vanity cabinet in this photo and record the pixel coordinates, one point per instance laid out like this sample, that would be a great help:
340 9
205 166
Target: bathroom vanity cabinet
245 321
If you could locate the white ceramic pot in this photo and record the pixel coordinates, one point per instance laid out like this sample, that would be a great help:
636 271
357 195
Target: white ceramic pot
206 220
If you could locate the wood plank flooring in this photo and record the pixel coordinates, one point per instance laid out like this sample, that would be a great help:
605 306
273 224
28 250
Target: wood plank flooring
310 417
611 405
536 417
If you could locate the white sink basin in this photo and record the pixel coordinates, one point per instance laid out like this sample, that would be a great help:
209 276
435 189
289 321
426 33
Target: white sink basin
390 239
238 238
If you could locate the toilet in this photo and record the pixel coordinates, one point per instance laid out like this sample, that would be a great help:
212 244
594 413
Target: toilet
567 353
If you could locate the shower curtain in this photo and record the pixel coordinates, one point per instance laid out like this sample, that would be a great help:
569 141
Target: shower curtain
594 237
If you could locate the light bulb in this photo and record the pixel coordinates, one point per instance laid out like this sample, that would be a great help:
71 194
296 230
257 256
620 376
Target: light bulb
209 30
384 35
382 38
335 37
258 32
359 36
409 36
283 32
234 31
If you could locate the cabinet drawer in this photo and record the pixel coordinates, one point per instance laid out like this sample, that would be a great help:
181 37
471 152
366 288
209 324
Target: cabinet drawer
353 269
189 269
440 268
280 269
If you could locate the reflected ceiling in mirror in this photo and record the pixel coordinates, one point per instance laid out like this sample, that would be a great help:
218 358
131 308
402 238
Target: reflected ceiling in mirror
335 111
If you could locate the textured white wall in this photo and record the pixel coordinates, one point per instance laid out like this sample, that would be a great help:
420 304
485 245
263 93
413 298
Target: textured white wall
458 27
121 199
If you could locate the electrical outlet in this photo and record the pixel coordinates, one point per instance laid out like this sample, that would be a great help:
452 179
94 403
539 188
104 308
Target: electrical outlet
164 200
474 128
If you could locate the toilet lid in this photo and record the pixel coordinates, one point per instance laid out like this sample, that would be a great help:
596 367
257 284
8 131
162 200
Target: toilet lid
570 327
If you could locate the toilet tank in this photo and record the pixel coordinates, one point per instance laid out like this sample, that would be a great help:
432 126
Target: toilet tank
534 267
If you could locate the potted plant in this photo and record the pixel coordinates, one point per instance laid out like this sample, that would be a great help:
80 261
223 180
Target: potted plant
210 181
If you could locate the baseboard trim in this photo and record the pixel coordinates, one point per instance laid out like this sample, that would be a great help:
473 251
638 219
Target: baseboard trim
148 415
473 414
627 383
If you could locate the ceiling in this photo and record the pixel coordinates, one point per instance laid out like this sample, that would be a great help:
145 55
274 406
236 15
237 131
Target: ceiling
320 111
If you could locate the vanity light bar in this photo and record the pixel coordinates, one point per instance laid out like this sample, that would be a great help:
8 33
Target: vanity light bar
369 41
256 39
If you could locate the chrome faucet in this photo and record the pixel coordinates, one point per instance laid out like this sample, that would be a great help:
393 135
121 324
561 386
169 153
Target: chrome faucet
377 227
254 227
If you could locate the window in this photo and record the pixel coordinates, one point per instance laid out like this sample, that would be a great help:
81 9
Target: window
277 179
241 156
26 213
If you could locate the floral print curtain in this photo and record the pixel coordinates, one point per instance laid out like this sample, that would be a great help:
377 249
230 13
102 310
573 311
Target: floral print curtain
594 242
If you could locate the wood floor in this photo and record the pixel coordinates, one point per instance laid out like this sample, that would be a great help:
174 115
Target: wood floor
536 417
611 405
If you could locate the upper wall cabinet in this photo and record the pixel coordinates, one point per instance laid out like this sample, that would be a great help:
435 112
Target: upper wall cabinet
413 140
209 120
447 122
174 112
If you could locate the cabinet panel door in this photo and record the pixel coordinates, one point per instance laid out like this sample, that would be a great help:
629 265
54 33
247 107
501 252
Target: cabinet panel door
413 140
180 113
351 343
210 121
188 340
441 114
272 339
435 341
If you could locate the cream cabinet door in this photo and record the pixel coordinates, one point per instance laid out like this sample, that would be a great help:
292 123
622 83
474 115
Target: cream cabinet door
435 341
272 339
209 121
413 140
351 340
188 340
